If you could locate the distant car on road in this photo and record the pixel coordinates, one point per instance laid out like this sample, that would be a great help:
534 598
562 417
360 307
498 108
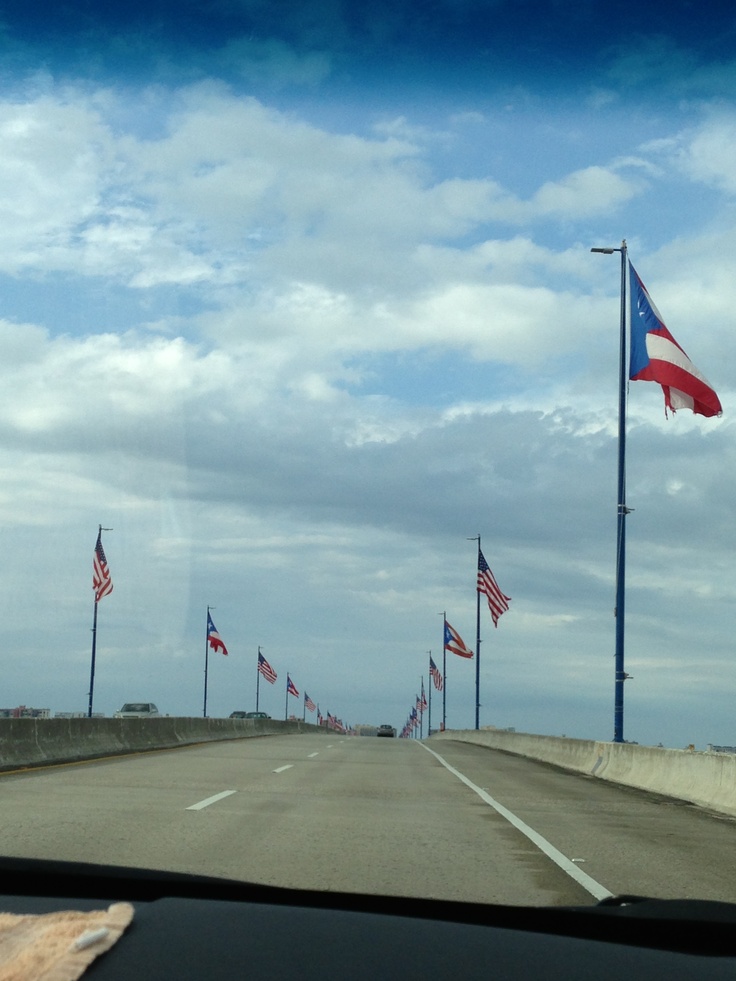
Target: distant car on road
386 730
238 715
257 715
138 710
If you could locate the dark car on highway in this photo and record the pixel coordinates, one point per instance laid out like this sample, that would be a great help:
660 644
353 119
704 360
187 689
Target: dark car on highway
386 730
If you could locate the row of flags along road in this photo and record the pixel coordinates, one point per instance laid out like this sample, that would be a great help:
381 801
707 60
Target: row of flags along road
654 355
498 604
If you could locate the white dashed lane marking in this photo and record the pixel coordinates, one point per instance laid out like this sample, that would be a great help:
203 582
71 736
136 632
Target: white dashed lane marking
210 800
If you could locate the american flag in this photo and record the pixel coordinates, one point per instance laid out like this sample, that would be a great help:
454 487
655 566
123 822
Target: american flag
101 581
213 638
291 687
308 703
497 602
320 717
454 642
265 669
424 698
436 675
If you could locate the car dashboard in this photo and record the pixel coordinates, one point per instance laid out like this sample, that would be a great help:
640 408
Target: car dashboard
196 927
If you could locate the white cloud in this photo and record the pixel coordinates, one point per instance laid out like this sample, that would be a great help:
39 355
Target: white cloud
709 153
230 189
583 193
54 154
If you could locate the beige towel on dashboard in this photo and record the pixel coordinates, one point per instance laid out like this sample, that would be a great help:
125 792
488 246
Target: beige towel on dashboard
58 946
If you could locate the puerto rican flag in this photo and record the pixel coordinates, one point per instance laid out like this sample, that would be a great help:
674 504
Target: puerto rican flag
656 356
213 638
454 642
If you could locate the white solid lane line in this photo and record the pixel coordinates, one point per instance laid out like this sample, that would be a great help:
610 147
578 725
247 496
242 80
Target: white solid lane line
282 768
210 800
312 755
589 884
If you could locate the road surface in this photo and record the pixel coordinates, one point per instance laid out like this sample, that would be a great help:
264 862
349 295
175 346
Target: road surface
396 817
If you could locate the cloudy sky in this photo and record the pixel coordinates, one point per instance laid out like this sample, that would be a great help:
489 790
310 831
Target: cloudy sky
297 299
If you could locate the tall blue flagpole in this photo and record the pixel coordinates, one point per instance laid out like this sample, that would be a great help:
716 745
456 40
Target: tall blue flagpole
206 658
91 692
477 637
477 644
444 671
622 510
429 700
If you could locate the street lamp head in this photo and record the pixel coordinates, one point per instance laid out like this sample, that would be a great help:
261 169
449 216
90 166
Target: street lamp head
606 251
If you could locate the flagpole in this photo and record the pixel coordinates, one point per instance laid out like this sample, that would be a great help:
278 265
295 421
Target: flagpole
477 639
206 660
286 702
100 529
258 679
622 510
444 671
92 669
421 711
429 700
477 646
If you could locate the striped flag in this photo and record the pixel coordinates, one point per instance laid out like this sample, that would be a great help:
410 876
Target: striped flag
308 703
497 602
213 638
424 698
101 581
265 669
656 356
291 687
454 642
436 675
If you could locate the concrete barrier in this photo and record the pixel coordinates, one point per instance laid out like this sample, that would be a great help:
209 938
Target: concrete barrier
35 742
705 779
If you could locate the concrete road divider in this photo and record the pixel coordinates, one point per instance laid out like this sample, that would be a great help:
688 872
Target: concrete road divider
706 779
35 742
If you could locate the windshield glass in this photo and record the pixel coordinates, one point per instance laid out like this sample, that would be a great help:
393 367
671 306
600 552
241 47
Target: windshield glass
304 342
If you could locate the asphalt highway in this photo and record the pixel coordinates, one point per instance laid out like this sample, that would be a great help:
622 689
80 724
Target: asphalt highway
396 817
